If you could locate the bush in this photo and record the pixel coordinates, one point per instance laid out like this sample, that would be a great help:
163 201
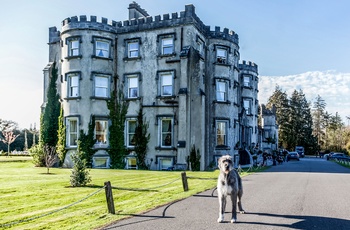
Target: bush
38 154
80 175
194 159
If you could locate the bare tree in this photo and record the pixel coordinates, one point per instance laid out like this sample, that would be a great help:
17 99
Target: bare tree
50 157
8 138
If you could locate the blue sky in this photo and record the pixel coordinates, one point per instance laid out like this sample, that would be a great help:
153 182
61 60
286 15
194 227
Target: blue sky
288 39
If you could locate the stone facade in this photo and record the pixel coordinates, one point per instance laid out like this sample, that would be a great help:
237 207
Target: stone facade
186 77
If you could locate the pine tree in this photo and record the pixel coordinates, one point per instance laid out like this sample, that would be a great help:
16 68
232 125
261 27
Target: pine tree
319 123
49 121
141 139
61 142
118 109
80 175
87 142
279 101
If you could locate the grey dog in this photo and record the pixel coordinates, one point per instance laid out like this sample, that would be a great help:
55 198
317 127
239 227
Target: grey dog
229 184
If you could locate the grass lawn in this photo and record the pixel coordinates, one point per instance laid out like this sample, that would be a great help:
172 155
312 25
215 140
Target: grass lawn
28 192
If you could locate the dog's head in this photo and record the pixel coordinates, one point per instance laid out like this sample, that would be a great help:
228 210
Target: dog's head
225 164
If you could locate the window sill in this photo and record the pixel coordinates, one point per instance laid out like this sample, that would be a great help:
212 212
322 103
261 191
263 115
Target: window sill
72 98
166 97
102 58
71 147
165 148
99 98
247 87
222 147
222 64
133 99
131 58
166 55
74 57
223 102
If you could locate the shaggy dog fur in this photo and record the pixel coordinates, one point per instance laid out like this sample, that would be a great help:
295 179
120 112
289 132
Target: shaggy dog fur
229 184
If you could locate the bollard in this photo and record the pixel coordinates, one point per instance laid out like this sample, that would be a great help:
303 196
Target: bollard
184 181
109 197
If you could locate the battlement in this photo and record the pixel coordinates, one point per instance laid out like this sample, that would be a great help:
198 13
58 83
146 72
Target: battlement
146 23
250 66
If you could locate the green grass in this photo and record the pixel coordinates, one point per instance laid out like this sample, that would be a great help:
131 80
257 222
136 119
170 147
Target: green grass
28 192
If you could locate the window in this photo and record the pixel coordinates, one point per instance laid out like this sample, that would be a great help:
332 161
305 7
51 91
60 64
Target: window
131 163
165 163
200 45
221 56
221 90
73 44
246 81
102 85
131 128
133 86
167 46
101 130
166 84
73 84
72 131
133 49
166 134
247 106
221 132
102 47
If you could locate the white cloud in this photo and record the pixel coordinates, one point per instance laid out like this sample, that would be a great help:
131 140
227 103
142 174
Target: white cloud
332 86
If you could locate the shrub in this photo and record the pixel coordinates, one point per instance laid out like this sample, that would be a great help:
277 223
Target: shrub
38 154
195 158
80 175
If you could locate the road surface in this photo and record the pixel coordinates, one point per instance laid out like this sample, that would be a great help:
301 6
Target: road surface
308 194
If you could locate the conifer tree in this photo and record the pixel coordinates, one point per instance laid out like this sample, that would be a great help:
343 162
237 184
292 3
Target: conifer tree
87 142
49 121
118 109
141 139
61 142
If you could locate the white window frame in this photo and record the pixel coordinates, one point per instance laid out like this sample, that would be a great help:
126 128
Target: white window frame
102 48
167 47
133 86
246 81
165 167
73 86
221 132
130 133
221 90
166 82
101 135
164 142
133 52
221 55
102 88
247 104
74 47
72 131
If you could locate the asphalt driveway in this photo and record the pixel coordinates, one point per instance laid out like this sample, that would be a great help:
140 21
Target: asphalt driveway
308 194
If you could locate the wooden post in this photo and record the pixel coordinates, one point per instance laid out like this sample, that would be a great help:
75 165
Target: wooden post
184 181
109 197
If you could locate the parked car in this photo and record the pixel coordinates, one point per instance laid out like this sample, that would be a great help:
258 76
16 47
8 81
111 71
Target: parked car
300 150
293 156
339 156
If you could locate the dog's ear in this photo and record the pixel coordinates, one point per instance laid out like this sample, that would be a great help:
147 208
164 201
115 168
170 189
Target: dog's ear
219 163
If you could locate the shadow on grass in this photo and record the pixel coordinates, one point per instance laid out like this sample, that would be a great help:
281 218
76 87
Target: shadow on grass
115 188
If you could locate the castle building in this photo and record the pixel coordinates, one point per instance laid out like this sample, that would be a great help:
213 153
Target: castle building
187 78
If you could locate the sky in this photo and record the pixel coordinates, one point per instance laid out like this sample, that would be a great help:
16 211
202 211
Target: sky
297 44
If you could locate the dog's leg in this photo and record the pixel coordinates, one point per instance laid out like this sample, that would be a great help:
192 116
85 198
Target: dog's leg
222 206
234 207
240 193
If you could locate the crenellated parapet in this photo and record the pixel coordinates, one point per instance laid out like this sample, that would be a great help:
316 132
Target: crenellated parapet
249 66
146 23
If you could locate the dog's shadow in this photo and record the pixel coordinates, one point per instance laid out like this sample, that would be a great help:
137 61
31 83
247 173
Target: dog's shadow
305 222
